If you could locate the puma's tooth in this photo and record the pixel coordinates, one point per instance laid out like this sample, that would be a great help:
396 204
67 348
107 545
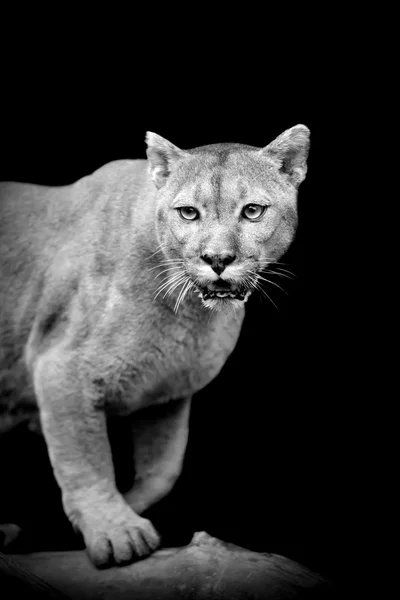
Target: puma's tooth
234 292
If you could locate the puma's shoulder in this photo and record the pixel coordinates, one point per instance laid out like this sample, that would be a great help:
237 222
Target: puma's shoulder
53 238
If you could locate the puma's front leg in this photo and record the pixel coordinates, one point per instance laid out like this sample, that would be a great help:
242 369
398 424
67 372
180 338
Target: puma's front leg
160 436
76 436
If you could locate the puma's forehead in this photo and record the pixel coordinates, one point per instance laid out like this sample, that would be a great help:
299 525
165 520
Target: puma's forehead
225 171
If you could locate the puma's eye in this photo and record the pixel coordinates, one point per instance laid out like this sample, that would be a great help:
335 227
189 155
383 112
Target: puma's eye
253 211
189 213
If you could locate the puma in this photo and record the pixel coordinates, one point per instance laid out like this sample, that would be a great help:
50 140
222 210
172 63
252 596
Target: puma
126 290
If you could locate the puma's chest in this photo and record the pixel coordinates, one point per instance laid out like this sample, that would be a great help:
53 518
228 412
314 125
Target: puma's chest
171 360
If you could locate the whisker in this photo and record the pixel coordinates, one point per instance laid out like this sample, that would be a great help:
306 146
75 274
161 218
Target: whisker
165 270
249 281
277 262
252 278
189 289
185 291
160 248
169 282
280 270
170 291
170 277
170 260
261 289
271 282
166 263
182 293
273 263
291 277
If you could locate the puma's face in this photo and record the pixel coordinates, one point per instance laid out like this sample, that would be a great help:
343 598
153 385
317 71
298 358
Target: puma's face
224 213
223 228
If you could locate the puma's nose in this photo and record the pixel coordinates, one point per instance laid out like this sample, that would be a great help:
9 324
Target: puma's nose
218 262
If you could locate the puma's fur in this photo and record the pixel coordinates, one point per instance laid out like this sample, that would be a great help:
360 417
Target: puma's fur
126 290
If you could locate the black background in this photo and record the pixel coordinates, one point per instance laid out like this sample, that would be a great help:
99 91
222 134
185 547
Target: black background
268 463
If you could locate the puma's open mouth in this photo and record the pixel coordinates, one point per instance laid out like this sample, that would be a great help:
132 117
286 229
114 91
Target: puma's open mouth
223 290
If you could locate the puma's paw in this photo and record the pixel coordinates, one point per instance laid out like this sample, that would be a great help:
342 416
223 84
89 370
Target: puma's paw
116 535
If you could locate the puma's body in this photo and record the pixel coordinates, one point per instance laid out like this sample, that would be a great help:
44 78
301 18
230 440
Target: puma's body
98 315
84 278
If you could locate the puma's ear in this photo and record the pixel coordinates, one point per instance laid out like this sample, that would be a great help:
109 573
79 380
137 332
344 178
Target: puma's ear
162 155
290 149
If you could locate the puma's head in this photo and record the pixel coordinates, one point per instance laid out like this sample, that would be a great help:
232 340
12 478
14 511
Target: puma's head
225 212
